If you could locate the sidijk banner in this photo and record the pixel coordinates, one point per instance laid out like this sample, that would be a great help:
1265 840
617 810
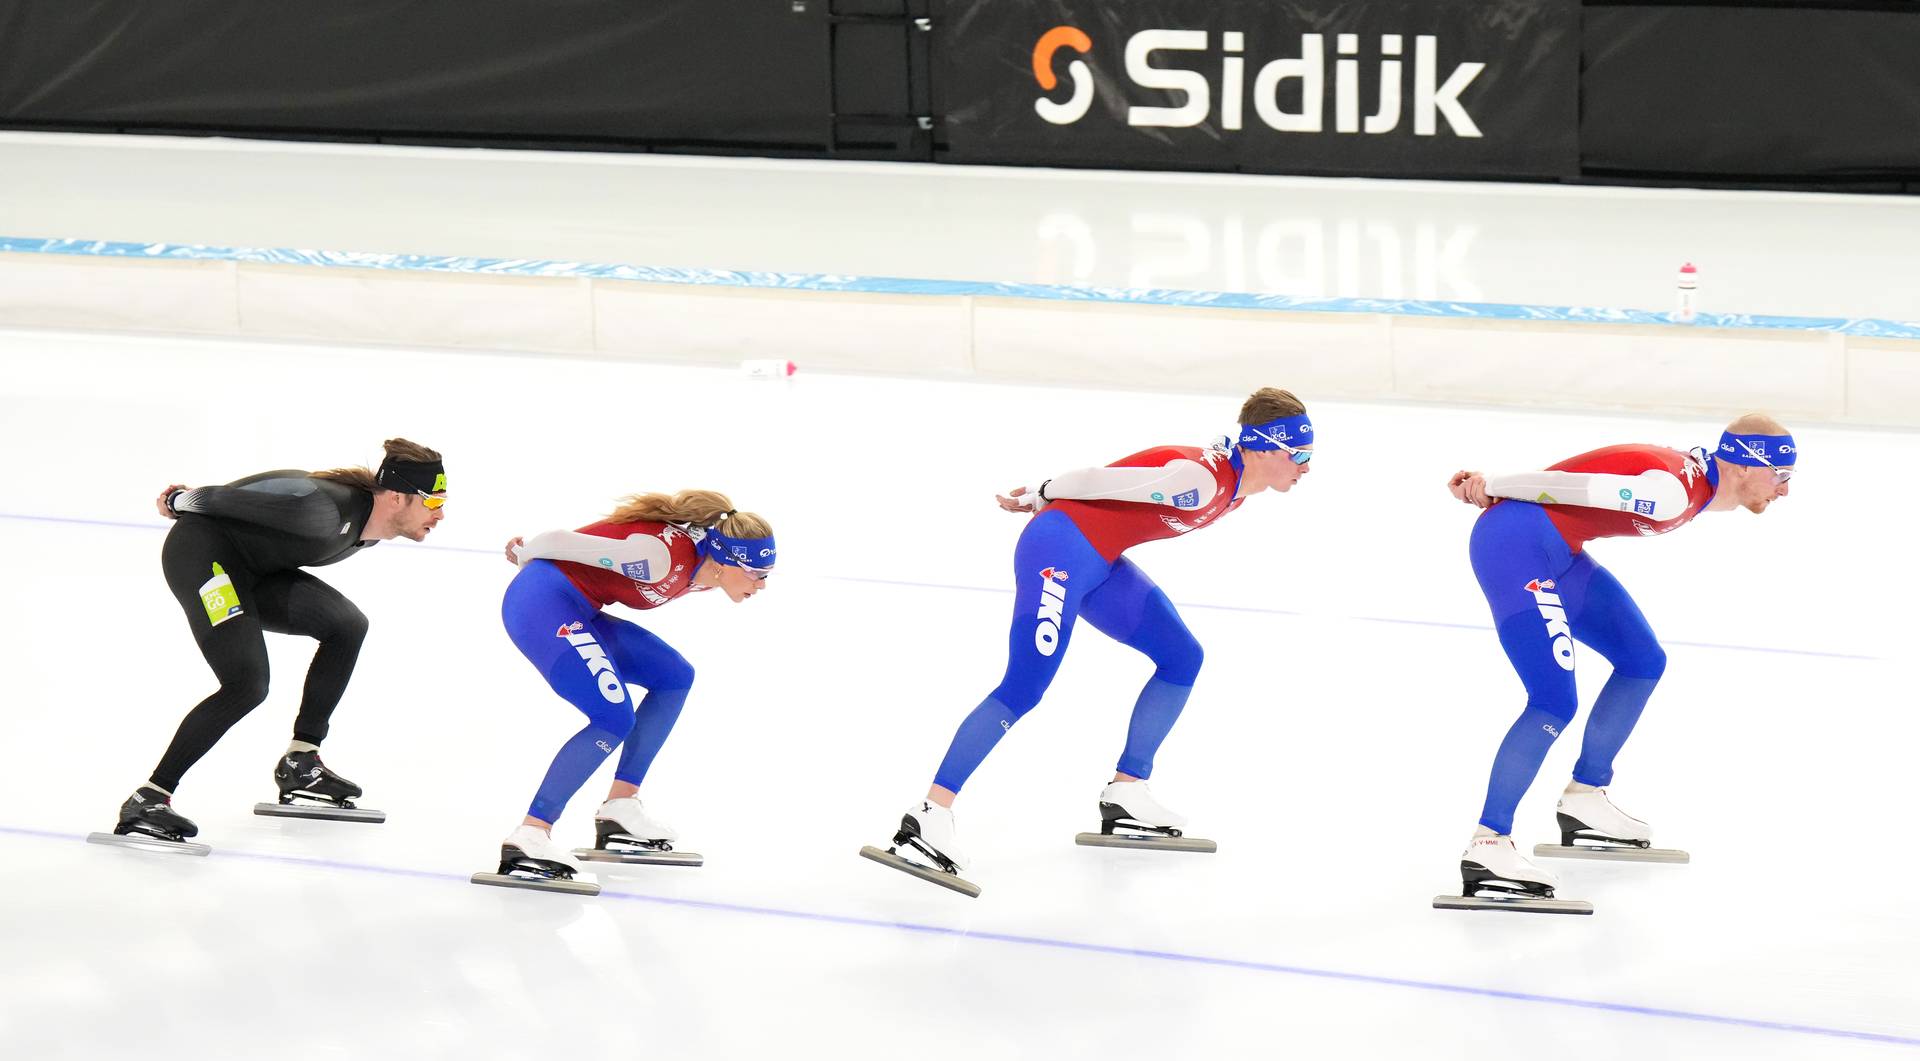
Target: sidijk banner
1403 88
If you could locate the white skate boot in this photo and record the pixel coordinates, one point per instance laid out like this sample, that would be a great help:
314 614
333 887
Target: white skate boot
625 832
1495 876
1592 827
1131 817
530 859
927 830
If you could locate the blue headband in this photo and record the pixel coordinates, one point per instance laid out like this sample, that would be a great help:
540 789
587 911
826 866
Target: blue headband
1757 451
756 554
1293 431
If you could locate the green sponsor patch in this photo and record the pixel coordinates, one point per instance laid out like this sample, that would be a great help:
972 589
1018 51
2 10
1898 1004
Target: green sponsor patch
220 599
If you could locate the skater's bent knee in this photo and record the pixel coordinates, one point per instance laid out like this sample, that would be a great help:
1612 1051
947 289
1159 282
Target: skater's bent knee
614 718
1017 702
676 674
1648 662
1179 663
1562 709
247 689
349 625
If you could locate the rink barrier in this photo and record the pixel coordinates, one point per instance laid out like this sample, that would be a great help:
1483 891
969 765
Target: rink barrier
1831 369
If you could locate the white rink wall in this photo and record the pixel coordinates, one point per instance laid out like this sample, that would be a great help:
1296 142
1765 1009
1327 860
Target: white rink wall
1459 292
1801 374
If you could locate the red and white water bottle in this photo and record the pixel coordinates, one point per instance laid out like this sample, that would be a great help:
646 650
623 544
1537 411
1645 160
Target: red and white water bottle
767 368
1684 292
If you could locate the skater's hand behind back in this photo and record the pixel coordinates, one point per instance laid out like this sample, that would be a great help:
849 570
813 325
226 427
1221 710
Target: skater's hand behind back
516 543
161 501
1017 501
1470 487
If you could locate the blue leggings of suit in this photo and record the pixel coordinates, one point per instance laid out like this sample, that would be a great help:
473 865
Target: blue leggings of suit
1515 545
590 665
1059 578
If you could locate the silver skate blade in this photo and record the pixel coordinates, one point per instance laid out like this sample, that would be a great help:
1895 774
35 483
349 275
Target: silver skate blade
506 880
328 814
1516 904
951 881
638 857
150 843
1146 843
1612 854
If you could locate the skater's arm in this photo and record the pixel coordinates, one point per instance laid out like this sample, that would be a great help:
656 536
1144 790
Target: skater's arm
641 557
285 501
1656 493
1179 483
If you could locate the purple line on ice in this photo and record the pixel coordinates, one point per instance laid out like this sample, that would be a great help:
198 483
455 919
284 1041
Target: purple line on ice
1086 948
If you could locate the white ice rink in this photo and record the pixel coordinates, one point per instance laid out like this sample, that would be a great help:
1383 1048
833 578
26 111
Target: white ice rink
1336 746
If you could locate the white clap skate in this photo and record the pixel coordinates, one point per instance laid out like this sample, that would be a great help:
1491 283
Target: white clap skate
624 832
1131 817
1495 876
927 830
530 859
1592 827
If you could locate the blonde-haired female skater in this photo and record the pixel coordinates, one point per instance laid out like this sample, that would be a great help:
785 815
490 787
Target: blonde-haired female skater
651 550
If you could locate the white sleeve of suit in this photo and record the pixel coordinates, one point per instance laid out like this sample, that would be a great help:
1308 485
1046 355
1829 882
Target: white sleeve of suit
1189 481
1593 489
615 554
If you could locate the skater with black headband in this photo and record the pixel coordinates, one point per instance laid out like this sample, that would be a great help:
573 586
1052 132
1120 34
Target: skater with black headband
233 560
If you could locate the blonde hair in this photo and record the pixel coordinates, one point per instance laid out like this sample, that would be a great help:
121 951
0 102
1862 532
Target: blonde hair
361 477
700 508
1270 403
1757 424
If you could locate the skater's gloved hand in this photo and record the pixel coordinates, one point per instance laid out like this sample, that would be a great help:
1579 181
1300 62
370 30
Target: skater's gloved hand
513 557
161 501
1470 487
1021 499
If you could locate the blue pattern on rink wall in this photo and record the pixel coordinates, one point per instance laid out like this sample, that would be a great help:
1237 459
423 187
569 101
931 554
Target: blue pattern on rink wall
884 285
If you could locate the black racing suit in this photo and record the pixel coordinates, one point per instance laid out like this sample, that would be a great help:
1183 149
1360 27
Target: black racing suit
261 531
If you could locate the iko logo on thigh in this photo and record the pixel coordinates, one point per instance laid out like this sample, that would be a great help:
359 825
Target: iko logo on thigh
1556 616
597 662
1053 597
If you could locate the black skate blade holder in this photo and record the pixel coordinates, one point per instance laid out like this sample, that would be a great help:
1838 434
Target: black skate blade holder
944 878
1512 904
344 811
1600 848
639 856
519 870
538 884
1612 852
1118 830
612 845
146 842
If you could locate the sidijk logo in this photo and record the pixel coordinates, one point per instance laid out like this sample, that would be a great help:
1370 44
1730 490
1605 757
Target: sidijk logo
1433 99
